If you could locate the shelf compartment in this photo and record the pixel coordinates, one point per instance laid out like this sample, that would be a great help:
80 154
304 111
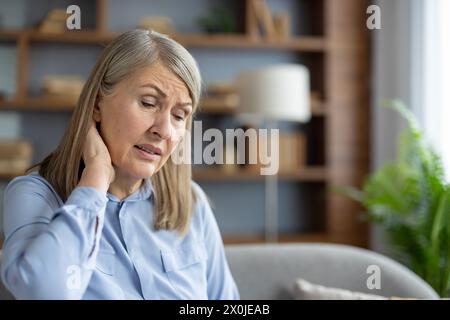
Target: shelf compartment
242 41
10 34
52 103
80 37
282 238
303 43
47 103
308 174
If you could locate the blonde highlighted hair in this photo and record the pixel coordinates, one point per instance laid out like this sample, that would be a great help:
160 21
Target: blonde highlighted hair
133 50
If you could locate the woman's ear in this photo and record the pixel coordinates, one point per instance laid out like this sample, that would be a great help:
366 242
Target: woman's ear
97 113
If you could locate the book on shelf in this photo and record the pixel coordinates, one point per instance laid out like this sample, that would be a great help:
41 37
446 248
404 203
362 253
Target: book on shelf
282 25
274 26
228 102
291 153
160 24
15 156
54 22
264 18
220 97
63 87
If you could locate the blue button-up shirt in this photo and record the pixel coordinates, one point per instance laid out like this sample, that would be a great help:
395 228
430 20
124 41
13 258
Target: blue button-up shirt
95 246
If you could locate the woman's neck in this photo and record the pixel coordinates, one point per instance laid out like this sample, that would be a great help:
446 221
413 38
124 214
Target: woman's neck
122 186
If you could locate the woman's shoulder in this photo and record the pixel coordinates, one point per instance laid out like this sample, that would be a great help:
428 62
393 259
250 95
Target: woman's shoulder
28 199
204 220
30 180
32 183
202 202
200 196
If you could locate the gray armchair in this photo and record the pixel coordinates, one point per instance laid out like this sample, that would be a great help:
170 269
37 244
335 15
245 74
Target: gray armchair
269 271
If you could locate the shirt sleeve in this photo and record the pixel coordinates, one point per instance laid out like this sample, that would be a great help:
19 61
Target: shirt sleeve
220 282
49 251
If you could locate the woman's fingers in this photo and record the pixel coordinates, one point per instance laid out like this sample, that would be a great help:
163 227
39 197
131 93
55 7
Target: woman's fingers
98 165
94 146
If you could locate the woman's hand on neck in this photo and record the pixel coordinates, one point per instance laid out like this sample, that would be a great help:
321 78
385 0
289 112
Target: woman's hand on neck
98 172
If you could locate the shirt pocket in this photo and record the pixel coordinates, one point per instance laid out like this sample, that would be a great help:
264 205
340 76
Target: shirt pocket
185 268
106 259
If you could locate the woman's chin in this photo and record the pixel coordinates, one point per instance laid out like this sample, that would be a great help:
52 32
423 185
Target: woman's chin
142 173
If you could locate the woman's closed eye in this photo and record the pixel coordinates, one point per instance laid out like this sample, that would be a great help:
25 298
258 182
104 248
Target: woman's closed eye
148 104
179 115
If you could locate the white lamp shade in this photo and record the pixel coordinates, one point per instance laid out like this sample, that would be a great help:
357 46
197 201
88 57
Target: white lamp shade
279 92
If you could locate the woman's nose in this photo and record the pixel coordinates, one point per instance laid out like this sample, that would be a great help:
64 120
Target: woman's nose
161 125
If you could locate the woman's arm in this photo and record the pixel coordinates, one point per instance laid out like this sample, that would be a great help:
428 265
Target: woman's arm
50 251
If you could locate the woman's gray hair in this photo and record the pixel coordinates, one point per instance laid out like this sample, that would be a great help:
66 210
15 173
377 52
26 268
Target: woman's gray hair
140 48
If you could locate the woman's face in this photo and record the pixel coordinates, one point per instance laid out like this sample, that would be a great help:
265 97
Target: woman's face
143 120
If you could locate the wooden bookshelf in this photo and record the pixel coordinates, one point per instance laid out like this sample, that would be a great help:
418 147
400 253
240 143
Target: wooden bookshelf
242 41
335 48
79 37
305 44
46 103
10 34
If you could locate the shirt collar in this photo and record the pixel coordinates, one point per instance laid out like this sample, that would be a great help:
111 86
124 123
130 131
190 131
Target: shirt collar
143 193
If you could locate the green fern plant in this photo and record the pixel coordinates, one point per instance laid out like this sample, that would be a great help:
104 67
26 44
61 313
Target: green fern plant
411 200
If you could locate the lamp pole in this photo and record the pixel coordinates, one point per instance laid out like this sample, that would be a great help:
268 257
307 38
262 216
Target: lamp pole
271 201
274 93
271 212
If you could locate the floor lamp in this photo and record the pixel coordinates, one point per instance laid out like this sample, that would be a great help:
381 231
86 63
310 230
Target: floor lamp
271 94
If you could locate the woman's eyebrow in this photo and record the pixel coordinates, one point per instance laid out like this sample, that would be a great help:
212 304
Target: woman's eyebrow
184 104
160 92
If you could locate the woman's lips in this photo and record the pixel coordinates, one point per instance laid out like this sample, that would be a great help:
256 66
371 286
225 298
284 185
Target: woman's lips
149 148
147 155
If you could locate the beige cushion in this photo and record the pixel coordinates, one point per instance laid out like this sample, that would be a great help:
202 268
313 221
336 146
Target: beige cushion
304 290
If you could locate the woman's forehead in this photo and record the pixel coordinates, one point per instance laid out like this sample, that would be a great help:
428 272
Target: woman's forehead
159 76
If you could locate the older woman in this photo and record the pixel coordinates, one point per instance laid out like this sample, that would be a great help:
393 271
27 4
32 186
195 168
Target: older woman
109 215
